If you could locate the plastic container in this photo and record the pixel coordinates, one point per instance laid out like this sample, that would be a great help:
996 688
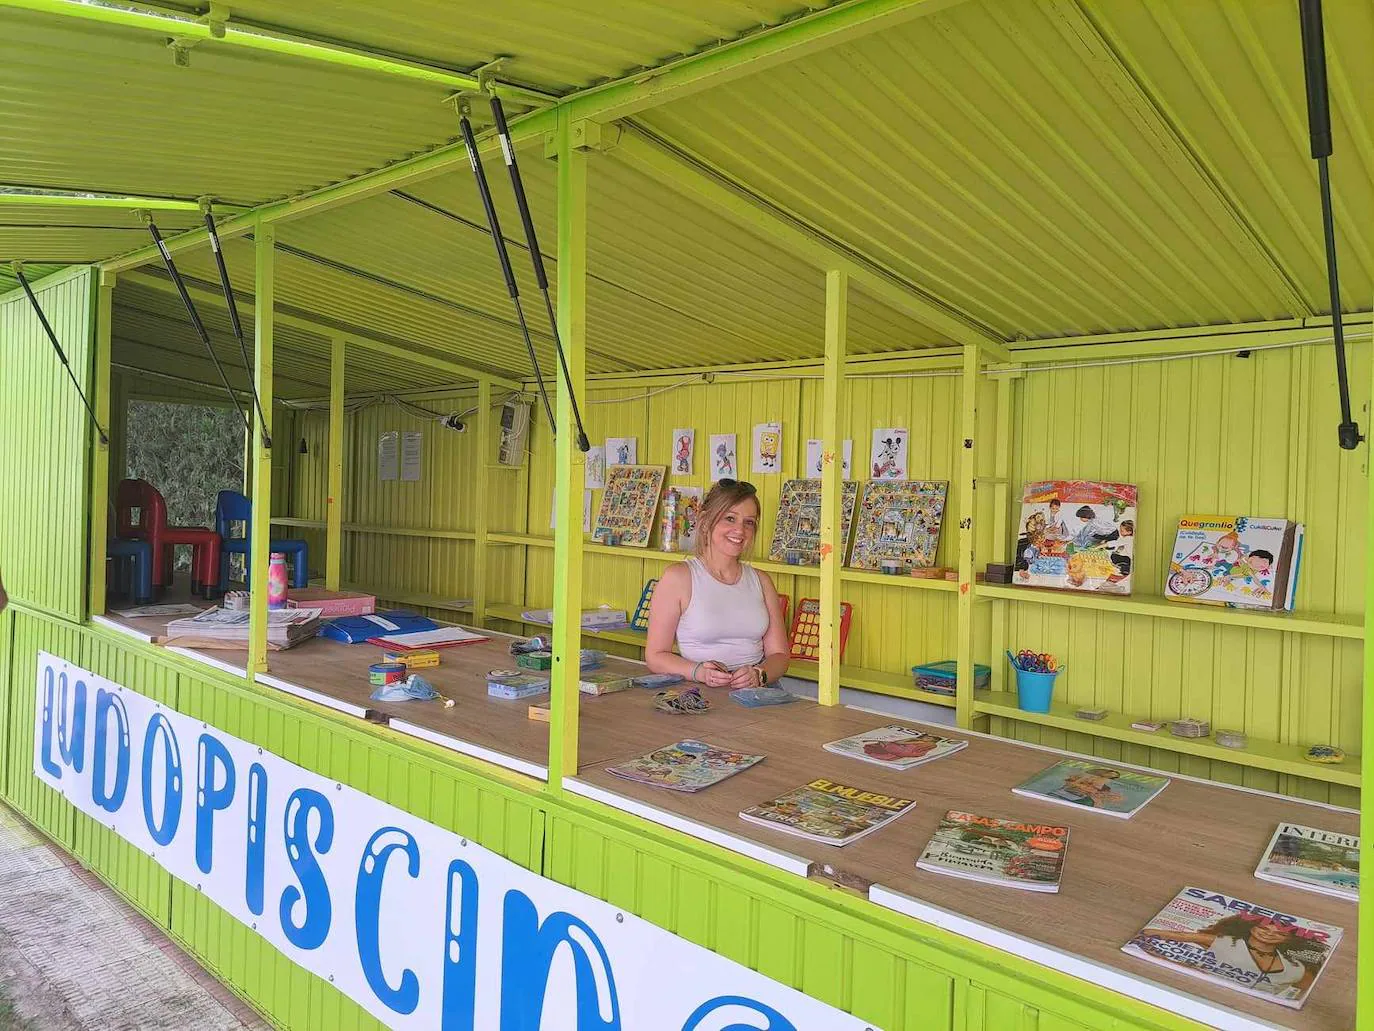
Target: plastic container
1034 691
276 581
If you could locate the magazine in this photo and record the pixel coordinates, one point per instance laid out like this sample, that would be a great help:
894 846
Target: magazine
895 746
1239 944
827 812
1317 860
229 628
1008 852
685 766
1093 785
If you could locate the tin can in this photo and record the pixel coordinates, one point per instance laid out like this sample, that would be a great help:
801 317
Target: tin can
379 674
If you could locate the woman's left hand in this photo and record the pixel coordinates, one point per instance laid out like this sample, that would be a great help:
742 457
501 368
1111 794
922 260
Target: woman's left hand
745 676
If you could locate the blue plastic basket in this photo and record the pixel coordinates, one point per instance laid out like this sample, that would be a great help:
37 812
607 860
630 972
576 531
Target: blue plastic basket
1034 691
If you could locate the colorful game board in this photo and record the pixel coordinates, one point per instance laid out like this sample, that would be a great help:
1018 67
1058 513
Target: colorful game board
899 520
805 637
629 503
797 533
1077 535
640 620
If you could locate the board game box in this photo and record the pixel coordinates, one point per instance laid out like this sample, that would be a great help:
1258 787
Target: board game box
1238 561
1076 535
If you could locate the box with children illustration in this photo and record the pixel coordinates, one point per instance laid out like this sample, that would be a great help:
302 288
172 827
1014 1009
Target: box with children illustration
1076 535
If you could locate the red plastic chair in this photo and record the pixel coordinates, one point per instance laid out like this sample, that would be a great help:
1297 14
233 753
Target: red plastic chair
151 526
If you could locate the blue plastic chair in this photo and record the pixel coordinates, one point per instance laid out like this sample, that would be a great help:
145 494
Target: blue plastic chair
133 568
231 507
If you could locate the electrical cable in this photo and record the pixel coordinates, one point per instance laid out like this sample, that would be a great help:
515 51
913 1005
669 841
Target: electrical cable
504 258
537 259
61 355
235 324
195 321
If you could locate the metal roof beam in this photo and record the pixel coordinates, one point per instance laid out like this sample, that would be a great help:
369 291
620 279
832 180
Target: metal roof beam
185 30
702 184
367 343
35 198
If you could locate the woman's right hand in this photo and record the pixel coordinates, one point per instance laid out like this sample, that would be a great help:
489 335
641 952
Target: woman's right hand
713 674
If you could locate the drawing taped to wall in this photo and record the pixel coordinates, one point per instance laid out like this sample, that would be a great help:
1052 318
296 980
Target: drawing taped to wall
629 504
767 447
889 453
622 450
1077 535
900 522
814 450
797 533
684 451
594 476
724 458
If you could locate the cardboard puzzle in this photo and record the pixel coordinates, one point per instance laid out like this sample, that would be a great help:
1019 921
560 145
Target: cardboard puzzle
797 533
1076 535
899 520
629 504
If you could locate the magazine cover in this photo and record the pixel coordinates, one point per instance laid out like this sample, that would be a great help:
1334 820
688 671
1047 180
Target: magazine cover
1317 860
1029 856
1092 785
895 746
1076 535
833 814
686 766
1239 561
1238 944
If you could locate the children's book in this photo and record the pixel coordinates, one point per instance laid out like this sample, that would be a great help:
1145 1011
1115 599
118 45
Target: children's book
1317 860
1239 561
1238 944
1012 853
895 746
827 812
1076 535
1092 785
686 766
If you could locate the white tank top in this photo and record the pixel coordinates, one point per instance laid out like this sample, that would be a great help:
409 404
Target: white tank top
725 622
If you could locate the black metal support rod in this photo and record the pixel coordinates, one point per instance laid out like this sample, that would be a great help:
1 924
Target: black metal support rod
502 255
532 243
61 355
196 323
236 324
1319 131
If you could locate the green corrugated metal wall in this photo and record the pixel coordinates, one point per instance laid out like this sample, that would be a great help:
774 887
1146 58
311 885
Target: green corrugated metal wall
41 417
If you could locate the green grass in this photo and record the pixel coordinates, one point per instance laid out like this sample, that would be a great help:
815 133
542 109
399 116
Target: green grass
10 1020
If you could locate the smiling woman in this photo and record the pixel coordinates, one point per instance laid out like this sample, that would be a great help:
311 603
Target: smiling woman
725 615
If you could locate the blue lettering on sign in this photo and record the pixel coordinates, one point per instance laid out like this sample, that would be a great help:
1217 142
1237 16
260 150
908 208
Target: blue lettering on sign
776 1021
49 704
313 894
209 798
528 948
160 729
71 737
460 948
107 703
256 859
367 916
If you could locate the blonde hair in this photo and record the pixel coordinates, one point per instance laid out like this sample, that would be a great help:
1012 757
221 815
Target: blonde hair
722 497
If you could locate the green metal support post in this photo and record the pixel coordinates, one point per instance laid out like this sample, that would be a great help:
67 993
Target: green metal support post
832 481
968 468
569 462
1364 974
333 514
483 522
100 463
260 532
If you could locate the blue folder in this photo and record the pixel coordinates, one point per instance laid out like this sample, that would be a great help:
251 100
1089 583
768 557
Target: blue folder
357 629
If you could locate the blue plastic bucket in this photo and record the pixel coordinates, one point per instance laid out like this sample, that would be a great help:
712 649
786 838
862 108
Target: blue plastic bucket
1034 690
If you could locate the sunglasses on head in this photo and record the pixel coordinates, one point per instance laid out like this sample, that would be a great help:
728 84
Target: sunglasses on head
743 485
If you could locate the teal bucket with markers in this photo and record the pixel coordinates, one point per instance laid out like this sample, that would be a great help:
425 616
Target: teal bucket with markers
1034 691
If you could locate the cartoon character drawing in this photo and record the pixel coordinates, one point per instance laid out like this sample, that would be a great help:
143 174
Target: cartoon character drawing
623 453
725 461
683 457
885 461
770 444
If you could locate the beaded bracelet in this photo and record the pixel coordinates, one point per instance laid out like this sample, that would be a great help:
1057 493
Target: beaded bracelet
695 669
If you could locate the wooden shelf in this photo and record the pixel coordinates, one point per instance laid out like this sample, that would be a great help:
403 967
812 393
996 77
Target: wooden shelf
1264 755
895 685
1322 624
532 540
391 531
304 524
867 576
429 601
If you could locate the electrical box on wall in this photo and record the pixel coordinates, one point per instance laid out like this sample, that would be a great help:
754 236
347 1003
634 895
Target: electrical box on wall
515 428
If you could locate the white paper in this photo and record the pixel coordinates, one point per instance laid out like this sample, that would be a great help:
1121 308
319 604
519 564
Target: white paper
594 475
586 511
813 460
622 451
684 451
411 443
388 456
724 460
429 638
888 457
767 457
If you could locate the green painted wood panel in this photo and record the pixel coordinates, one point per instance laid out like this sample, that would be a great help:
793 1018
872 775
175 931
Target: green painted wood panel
44 461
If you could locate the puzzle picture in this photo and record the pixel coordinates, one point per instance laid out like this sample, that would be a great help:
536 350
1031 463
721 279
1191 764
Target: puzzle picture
797 533
805 637
1076 535
900 521
629 504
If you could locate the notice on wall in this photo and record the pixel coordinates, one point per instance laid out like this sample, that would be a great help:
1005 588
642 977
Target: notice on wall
419 924
389 455
411 443
813 459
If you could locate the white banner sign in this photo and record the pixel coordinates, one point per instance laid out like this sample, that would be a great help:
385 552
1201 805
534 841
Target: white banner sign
422 928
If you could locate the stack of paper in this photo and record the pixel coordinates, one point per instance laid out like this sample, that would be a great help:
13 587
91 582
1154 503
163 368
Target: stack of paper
226 628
